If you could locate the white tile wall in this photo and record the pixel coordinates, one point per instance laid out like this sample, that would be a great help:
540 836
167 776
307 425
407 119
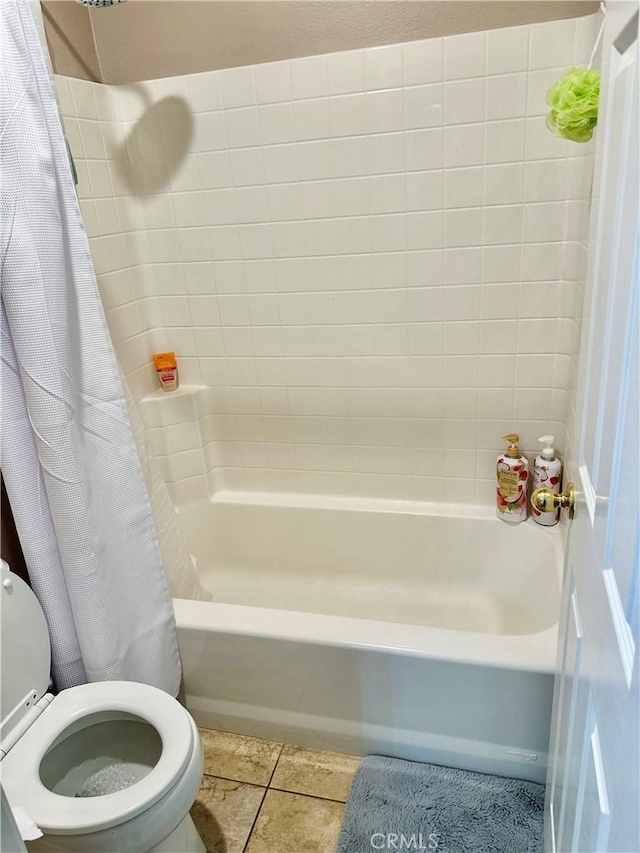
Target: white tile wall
369 263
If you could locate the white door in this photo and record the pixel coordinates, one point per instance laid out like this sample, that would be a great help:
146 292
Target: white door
593 796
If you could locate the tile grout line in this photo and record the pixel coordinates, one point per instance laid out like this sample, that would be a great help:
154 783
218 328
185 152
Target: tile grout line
267 788
239 781
297 793
300 793
255 820
275 766
308 796
268 785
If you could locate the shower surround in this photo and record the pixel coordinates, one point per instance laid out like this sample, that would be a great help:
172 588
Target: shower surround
370 264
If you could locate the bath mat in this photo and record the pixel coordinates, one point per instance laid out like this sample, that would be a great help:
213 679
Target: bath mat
404 805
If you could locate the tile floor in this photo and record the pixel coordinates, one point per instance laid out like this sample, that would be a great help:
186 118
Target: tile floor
258 796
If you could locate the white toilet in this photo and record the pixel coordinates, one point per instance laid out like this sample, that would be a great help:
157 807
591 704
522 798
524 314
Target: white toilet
110 766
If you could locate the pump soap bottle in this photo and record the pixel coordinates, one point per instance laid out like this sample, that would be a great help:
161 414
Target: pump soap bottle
513 475
547 472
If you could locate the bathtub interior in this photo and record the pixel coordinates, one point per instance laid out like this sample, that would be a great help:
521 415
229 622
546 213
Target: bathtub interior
447 567
365 626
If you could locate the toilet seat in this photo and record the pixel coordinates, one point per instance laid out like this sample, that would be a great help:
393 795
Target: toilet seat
61 815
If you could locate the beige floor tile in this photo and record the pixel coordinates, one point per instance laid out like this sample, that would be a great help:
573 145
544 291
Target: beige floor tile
292 823
315 772
224 812
243 759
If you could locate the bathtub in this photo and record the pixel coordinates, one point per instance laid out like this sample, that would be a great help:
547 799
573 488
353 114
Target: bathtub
416 630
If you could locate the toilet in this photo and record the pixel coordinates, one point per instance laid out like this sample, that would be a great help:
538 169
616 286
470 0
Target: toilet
108 766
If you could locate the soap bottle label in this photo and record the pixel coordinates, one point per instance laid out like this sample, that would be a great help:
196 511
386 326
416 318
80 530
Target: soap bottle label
508 482
547 474
511 491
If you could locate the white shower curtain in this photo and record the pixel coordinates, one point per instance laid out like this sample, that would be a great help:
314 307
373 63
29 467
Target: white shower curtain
69 459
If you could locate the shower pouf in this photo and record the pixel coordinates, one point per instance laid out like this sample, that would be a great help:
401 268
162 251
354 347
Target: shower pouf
574 104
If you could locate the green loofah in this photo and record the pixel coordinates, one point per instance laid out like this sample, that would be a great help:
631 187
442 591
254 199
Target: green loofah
574 104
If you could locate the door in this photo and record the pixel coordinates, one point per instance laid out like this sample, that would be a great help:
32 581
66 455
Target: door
593 794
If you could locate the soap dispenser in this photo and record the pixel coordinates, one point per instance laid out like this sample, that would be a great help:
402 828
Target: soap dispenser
512 475
547 473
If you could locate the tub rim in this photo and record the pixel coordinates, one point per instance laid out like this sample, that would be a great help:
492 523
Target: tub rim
350 503
526 652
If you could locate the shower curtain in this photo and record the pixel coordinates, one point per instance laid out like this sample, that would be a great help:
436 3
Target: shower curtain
78 488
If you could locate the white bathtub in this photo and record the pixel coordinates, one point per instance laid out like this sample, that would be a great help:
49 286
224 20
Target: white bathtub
422 631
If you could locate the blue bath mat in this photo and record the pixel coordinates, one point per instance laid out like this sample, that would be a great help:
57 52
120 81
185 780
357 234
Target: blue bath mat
403 805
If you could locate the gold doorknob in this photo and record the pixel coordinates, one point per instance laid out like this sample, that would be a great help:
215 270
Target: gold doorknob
546 500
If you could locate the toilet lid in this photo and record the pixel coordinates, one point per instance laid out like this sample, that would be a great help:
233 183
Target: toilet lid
26 651
61 815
